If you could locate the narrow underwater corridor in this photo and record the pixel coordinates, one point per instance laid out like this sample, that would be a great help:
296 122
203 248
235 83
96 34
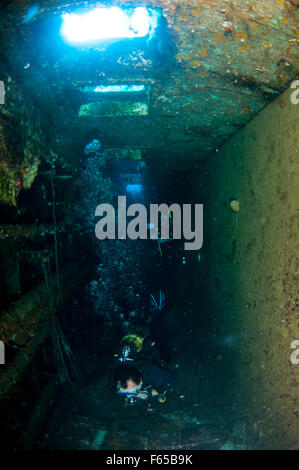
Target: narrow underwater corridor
190 105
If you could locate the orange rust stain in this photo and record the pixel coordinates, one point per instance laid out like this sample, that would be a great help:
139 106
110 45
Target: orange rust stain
24 170
266 44
202 53
282 104
196 12
297 31
183 19
218 38
195 63
240 36
182 56
284 19
244 48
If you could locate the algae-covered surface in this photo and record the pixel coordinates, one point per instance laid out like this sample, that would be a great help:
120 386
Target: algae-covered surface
254 266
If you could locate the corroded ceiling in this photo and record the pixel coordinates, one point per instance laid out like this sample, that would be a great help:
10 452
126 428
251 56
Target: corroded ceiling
211 67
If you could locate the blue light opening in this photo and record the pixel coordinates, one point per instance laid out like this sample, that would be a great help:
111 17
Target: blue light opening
113 89
119 89
134 188
108 23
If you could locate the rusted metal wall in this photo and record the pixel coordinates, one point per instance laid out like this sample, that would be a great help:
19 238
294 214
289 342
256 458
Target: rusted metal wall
253 258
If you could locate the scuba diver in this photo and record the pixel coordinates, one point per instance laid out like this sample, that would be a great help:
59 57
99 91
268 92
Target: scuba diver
139 372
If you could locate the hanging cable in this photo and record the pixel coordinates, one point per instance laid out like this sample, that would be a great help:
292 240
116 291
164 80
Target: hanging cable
65 359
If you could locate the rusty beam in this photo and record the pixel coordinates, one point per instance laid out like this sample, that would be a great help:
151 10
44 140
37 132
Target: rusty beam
28 231
27 323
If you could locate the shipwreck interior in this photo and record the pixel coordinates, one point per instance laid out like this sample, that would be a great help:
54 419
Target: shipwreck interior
167 101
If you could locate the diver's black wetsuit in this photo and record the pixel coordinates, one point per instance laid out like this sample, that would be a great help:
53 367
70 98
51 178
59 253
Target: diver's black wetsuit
156 377
152 370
